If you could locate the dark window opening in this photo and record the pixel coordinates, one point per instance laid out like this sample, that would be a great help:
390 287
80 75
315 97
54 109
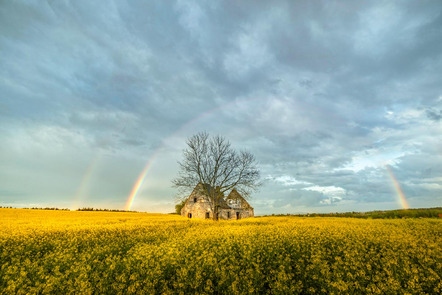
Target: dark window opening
207 215
195 199
228 214
189 215
238 215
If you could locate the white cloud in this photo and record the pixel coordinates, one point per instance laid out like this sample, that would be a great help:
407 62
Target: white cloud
287 180
330 190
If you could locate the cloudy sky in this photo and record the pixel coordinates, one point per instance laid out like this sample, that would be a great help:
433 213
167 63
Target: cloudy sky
340 102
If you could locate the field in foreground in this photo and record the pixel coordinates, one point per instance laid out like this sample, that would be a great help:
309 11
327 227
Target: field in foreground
119 253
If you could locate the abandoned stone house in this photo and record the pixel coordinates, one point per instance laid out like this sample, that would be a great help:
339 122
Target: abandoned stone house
234 206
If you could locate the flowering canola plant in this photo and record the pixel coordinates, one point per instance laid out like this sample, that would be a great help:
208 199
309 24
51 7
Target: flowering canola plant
65 252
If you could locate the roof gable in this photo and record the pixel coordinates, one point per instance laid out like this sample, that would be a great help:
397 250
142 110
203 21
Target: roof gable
235 200
200 192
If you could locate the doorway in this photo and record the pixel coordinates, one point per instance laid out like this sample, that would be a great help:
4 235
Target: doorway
207 215
189 215
238 215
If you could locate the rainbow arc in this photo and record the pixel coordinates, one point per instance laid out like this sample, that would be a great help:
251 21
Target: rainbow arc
401 196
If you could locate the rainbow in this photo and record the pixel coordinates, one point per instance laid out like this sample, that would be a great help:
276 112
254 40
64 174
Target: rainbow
402 200
139 182
85 182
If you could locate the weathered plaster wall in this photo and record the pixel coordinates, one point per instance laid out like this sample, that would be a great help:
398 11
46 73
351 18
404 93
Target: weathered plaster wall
243 213
198 208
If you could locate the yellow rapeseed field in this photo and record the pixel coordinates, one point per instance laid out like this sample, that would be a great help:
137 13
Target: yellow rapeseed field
63 252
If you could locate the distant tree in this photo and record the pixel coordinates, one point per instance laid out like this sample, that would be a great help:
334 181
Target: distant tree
179 206
212 162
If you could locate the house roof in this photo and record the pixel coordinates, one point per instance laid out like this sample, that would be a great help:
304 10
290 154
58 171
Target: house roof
200 189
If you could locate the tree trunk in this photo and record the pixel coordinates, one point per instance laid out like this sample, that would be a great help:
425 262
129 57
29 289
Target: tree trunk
215 213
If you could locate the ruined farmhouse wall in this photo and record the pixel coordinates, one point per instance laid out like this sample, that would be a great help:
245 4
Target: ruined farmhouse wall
231 214
197 204
239 206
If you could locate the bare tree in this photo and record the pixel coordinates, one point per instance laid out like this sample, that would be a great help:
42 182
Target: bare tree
212 162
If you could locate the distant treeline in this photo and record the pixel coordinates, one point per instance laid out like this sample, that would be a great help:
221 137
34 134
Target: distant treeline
107 210
402 213
39 208
66 209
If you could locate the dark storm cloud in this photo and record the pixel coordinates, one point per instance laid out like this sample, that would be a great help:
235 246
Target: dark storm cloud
435 115
324 94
